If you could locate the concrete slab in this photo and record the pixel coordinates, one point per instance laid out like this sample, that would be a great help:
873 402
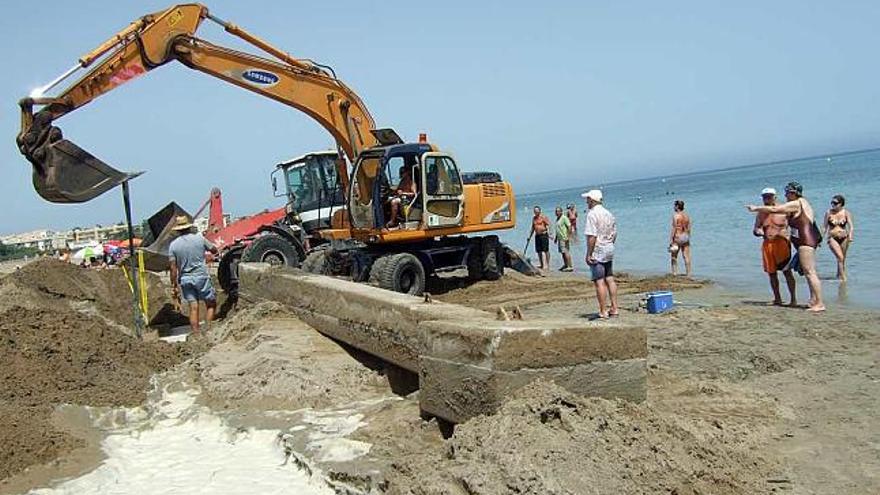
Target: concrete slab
467 361
513 345
457 391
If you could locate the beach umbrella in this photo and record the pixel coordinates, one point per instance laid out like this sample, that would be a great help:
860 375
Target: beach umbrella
123 243
86 253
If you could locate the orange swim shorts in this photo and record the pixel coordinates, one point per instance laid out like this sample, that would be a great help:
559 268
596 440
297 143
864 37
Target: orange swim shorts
776 253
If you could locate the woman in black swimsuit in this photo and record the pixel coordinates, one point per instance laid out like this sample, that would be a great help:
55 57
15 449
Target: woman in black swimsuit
805 235
839 231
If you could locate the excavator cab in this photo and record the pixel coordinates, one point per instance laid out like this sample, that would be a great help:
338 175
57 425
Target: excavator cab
439 201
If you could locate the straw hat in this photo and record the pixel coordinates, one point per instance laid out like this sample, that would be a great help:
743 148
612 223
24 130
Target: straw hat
182 222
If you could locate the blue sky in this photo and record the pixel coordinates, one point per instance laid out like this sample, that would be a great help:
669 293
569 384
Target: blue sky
551 94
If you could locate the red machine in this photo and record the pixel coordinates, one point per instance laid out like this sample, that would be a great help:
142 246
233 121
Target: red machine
238 232
271 236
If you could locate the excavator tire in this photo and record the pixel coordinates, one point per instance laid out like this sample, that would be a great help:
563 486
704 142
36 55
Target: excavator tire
227 271
316 262
360 268
475 261
273 249
403 273
377 269
493 258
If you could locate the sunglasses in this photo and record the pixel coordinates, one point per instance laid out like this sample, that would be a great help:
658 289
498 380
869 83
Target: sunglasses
835 203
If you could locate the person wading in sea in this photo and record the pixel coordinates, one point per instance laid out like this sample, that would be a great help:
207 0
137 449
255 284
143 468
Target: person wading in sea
839 228
680 237
572 213
805 236
776 248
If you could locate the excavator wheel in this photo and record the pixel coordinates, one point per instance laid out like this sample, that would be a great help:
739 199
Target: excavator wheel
475 261
377 269
316 262
360 268
493 258
273 249
403 273
227 271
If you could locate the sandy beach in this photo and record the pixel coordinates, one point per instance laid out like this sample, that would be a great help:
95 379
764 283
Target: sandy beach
742 398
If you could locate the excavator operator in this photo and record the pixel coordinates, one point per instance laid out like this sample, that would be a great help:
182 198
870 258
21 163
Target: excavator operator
404 195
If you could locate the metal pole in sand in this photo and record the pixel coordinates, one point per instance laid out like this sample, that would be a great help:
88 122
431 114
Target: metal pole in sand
135 283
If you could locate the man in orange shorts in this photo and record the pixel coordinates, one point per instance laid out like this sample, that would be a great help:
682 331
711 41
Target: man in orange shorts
776 249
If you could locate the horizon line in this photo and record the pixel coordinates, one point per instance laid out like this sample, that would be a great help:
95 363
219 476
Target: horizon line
722 169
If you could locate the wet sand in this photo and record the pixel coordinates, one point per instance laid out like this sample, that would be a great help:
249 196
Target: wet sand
743 398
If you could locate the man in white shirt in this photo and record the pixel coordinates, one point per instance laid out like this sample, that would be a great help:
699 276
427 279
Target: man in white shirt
601 232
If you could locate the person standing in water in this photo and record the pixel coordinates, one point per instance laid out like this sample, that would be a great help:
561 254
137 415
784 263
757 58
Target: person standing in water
805 236
839 227
776 248
572 213
680 237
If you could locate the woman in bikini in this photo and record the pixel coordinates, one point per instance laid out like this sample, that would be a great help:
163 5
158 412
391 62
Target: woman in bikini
805 236
839 232
680 237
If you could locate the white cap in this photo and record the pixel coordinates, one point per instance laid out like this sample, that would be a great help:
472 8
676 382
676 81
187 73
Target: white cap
768 190
594 194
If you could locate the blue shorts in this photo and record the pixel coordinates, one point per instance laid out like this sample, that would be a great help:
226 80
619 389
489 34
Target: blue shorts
599 271
197 289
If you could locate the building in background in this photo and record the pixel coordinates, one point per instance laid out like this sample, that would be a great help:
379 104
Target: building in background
43 240
46 240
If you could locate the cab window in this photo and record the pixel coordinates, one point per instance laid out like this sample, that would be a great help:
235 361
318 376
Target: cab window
393 170
361 201
442 176
331 179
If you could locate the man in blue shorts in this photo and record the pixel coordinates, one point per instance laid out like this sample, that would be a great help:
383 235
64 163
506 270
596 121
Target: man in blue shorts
189 272
601 231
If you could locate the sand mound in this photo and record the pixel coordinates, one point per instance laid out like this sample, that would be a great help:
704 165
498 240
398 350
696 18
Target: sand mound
60 342
545 440
268 358
105 292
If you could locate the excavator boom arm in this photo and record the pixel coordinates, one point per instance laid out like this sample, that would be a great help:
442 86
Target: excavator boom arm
65 173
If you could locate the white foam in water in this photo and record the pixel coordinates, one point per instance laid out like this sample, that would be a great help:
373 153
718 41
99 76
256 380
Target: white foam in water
185 448
327 442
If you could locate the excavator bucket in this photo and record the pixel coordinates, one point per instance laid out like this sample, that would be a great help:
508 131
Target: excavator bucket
73 175
160 236
64 172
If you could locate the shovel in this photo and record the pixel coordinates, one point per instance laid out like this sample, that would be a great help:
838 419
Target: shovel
526 248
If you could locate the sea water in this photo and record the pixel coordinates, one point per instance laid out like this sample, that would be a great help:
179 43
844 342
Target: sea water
723 246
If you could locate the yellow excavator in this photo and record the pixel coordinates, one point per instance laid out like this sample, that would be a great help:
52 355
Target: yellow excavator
427 233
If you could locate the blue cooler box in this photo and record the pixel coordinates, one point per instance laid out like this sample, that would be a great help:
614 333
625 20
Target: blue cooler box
659 302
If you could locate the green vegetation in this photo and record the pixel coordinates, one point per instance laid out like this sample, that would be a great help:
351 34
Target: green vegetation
15 252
